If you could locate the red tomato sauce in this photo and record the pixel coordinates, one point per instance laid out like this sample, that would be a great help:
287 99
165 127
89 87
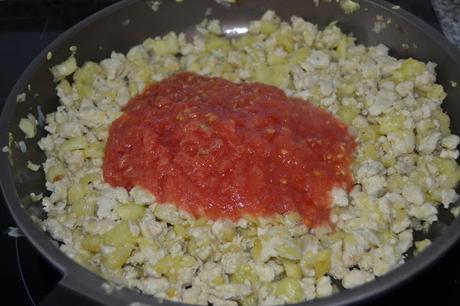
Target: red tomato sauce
224 150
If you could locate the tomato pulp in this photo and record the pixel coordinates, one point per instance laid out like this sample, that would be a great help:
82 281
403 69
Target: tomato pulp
224 150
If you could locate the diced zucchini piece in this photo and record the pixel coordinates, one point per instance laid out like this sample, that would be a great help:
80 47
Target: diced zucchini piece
275 75
391 123
94 150
410 68
292 269
218 280
369 133
341 50
347 113
117 258
83 90
274 59
213 42
290 289
346 89
81 205
131 211
268 27
148 245
288 250
444 121
285 41
118 235
92 244
76 143
422 244
89 178
449 169
256 251
322 263
245 40
88 73
300 55
65 68
281 75
436 92
368 151
249 300
170 265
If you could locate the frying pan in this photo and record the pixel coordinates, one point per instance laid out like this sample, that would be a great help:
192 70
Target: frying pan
128 23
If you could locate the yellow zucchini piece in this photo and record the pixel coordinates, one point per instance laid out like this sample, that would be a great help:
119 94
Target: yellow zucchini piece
213 42
218 280
89 178
169 265
131 211
65 68
268 27
347 113
435 92
92 244
369 133
118 235
285 41
368 151
391 123
449 169
274 59
290 289
118 257
322 263
289 250
256 251
88 73
300 55
94 150
81 205
444 121
245 40
410 68
292 269
76 143
249 300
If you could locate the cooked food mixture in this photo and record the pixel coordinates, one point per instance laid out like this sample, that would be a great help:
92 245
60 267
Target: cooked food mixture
178 169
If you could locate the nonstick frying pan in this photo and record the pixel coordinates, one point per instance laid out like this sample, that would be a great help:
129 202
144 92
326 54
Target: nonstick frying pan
128 23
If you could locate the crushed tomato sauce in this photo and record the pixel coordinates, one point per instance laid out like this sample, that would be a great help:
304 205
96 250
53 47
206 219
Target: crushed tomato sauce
224 150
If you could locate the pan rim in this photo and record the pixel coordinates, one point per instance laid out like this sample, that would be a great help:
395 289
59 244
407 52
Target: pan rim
70 269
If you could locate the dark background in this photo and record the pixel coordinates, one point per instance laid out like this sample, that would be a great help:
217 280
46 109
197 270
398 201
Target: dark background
26 27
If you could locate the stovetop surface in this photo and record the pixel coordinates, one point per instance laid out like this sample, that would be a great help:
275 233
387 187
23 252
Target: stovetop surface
26 27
